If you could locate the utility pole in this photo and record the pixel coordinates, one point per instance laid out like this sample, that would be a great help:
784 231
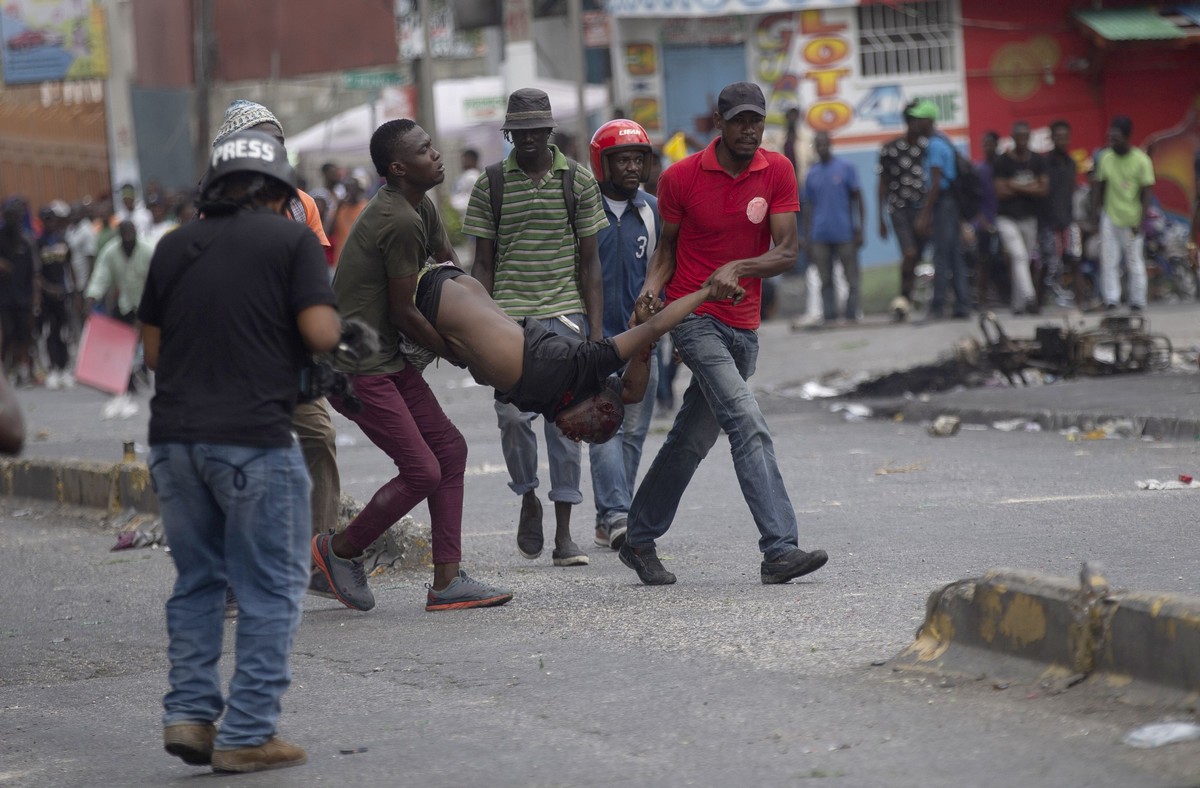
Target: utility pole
575 22
425 82
202 65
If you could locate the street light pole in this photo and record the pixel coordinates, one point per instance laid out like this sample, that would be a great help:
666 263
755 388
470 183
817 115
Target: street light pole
575 22
425 81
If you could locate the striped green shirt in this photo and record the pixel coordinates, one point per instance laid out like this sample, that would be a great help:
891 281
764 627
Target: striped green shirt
537 263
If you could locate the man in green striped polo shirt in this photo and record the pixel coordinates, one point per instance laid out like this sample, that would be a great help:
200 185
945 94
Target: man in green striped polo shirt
538 258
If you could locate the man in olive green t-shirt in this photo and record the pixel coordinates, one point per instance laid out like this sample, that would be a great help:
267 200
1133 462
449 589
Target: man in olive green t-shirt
396 234
1124 176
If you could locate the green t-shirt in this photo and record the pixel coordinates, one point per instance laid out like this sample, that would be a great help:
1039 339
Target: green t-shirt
389 240
537 267
1124 178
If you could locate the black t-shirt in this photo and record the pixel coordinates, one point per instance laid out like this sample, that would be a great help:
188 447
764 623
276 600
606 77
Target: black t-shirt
16 283
1061 168
56 259
559 370
231 354
1022 172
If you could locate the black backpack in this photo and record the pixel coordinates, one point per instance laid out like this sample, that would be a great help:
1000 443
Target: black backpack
495 175
967 187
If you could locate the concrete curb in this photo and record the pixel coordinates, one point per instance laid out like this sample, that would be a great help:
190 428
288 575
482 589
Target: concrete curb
98 485
1157 427
1025 627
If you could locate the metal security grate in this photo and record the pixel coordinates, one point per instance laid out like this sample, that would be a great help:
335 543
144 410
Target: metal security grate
908 38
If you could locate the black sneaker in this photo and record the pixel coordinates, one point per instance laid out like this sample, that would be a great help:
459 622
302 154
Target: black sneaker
645 562
569 554
794 563
529 528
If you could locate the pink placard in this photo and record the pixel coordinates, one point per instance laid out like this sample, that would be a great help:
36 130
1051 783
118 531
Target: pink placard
106 352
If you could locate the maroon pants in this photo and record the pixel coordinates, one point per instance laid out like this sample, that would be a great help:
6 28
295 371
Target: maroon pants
401 415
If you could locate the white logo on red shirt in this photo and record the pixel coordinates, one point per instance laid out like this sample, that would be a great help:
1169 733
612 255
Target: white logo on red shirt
756 210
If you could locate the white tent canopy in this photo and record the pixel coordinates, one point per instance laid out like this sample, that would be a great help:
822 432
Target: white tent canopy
469 114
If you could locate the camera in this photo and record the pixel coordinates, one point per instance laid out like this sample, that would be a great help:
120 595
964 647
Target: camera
319 378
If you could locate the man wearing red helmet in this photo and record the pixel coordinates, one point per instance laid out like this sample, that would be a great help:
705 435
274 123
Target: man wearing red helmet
620 157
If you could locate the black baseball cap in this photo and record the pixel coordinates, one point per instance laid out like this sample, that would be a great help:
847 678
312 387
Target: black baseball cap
739 97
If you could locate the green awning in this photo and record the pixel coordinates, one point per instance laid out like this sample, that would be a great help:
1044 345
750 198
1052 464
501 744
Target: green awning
1130 24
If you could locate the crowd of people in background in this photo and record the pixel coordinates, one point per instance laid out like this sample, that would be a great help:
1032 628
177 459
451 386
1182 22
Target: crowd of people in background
61 261
1049 231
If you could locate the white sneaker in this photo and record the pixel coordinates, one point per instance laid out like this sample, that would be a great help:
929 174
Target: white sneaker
53 382
67 380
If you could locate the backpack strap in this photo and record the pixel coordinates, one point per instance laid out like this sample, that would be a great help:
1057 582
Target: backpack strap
495 176
568 180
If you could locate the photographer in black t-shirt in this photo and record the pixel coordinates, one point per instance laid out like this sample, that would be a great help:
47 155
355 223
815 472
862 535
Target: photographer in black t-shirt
234 305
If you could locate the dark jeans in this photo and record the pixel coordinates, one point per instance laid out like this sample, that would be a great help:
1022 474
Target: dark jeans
949 269
401 415
56 322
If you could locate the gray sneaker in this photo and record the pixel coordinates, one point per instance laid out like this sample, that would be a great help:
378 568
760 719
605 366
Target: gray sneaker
611 534
346 577
465 592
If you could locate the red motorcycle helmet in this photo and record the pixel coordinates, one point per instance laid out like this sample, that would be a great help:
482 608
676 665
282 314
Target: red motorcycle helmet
619 135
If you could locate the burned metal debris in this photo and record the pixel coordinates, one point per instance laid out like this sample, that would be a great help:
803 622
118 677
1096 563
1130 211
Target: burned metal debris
1118 345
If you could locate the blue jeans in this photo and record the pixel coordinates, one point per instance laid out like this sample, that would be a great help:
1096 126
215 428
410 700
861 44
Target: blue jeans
519 444
719 399
949 267
233 516
615 462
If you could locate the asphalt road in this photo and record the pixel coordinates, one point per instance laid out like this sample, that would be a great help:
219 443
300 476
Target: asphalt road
588 678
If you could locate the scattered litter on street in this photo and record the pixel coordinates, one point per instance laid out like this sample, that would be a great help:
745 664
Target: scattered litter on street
352 750
137 530
1017 425
944 426
344 441
1159 734
1172 484
890 469
852 411
1108 430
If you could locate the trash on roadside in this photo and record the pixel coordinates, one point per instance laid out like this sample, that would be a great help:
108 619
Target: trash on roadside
352 750
944 426
1172 484
1185 478
853 411
1017 425
1109 430
345 441
1159 734
814 390
890 469
137 530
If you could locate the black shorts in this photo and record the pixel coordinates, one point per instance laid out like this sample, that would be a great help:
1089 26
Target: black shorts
428 295
559 370
17 325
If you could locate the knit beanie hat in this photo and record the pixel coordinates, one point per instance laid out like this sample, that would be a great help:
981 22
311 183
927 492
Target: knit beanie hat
242 115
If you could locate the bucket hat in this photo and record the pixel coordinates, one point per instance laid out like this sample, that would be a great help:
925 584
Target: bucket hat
528 108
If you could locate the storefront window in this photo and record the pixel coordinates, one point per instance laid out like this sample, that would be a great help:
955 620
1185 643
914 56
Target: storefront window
906 39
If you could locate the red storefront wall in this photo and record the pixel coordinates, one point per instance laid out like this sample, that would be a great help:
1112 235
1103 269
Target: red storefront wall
1032 62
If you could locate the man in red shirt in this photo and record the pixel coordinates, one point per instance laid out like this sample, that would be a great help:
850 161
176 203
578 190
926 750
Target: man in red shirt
722 209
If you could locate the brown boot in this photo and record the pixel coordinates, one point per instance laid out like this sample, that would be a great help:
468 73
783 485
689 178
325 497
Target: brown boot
274 753
192 742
